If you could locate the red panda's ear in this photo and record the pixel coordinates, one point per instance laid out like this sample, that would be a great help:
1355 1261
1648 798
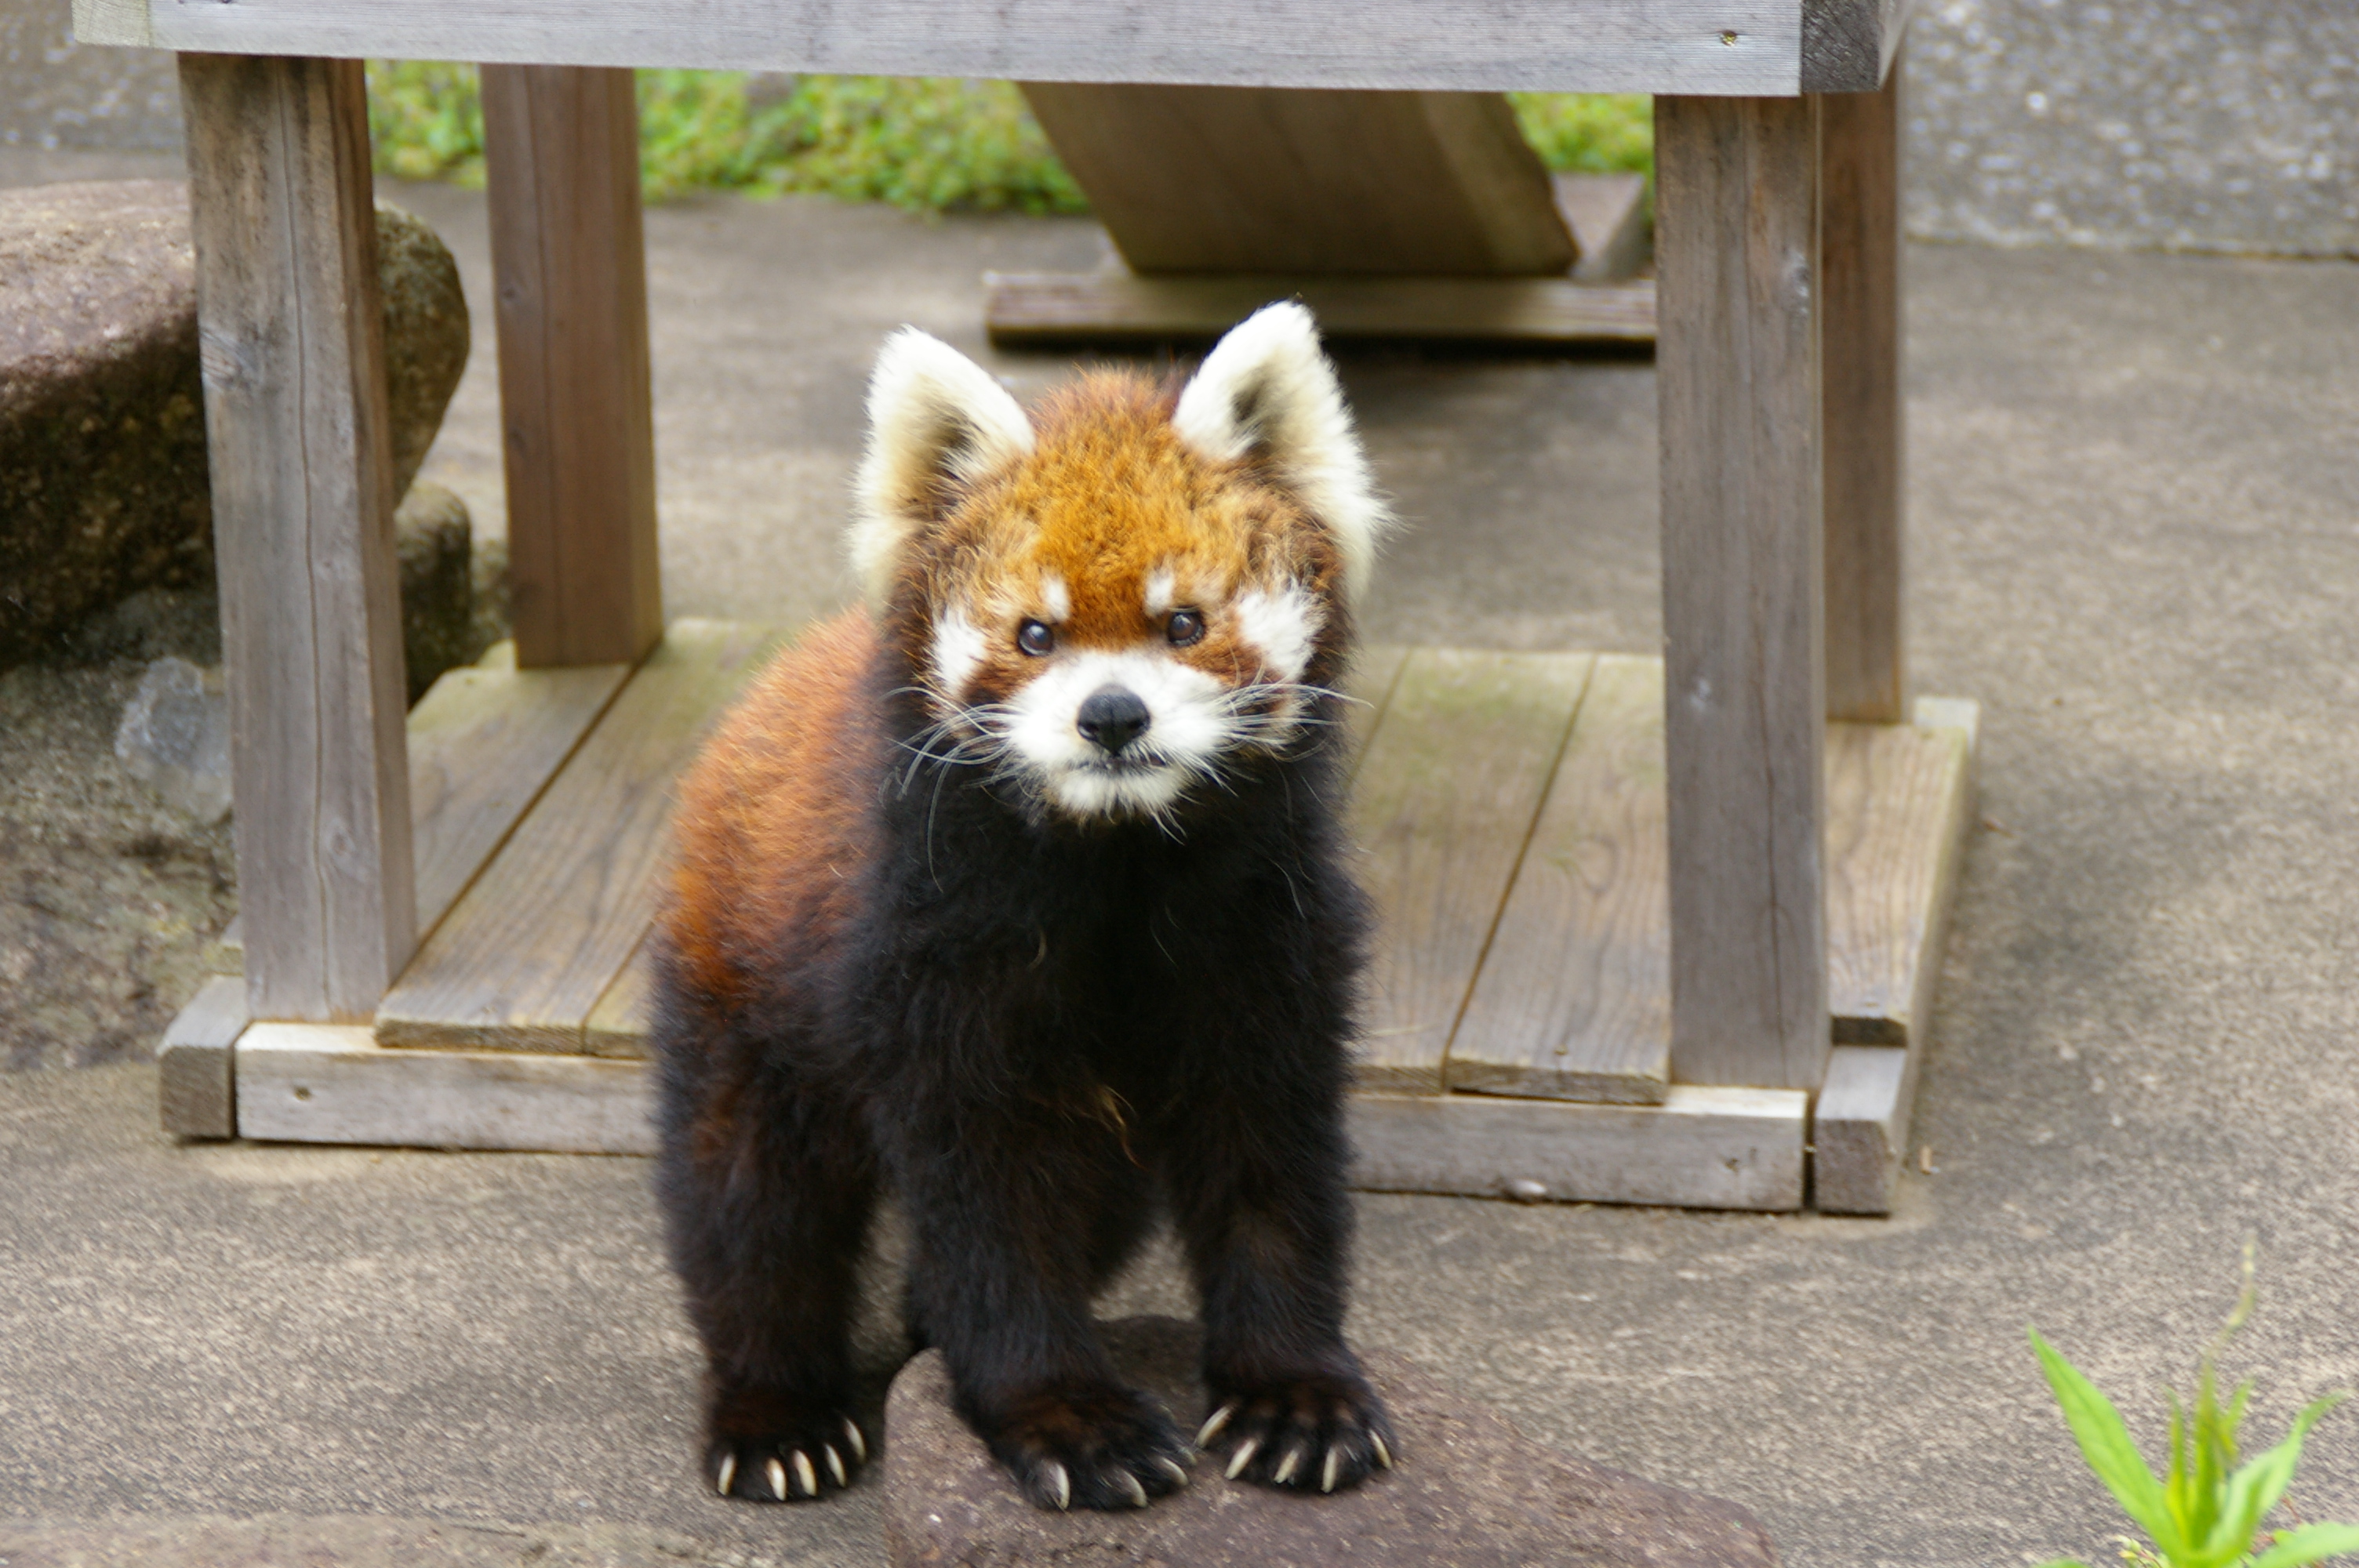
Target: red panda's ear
937 420
1266 391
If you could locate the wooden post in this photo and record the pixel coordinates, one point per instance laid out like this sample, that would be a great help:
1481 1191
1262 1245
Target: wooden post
561 155
1859 229
292 340
1736 214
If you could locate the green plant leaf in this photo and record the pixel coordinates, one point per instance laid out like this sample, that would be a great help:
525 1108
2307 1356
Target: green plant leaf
2311 1543
2253 1490
2106 1444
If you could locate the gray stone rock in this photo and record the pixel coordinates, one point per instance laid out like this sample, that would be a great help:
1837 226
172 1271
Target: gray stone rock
174 738
1470 1492
438 591
103 472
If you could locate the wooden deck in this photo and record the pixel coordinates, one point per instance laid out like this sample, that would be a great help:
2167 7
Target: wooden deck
1510 813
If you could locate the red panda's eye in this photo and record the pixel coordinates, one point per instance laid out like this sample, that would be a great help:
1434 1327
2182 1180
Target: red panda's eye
1185 626
1036 638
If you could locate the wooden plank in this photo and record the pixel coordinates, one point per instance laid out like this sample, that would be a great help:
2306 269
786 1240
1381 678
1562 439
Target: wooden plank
1261 180
561 162
1443 803
296 434
1573 1001
1702 1147
1043 308
1861 1131
525 955
1859 347
1851 46
1716 47
1899 800
196 1087
1375 671
484 743
1608 216
112 22
618 1026
314 1084
1735 226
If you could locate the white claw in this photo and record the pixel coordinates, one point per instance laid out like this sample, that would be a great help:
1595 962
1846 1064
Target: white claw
835 1465
1137 1492
778 1474
1064 1485
1288 1466
805 1476
1178 1471
1327 1477
1384 1454
859 1444
1241 1457
728 1474
1212 1427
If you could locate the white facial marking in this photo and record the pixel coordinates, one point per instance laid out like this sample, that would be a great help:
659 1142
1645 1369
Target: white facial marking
1284 624
1161 587
1189 726
1054 598
958 650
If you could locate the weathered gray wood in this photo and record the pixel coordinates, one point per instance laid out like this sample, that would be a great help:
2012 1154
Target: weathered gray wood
330 1084
1736 359
1899 798
1859 348
1861 1130
1607 215
1375 671
1258 179
1851 46
1051 308
1702 1147
297 436
618 1025
528 952
112 22
561 161
484 743
196 1084
1570 45
1573 1001
1442 806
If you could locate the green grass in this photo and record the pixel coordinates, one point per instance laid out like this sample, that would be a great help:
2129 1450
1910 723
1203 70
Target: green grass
925 145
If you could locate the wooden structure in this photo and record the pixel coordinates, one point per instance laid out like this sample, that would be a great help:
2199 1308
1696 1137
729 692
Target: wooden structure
1394 215
1706 934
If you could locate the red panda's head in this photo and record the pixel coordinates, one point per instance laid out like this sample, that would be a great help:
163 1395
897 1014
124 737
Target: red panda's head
1114 601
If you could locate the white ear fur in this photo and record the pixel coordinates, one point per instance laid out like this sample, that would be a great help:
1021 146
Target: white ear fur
1266 385
932 413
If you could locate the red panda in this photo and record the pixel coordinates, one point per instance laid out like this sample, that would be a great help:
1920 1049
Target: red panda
1020 892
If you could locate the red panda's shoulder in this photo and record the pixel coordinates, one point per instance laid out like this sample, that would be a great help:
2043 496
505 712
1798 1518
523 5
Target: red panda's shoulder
772 815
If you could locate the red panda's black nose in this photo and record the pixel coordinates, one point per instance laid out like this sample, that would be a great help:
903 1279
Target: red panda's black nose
1112 717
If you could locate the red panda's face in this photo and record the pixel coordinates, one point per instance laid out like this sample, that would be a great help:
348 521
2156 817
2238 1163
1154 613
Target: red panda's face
1112 605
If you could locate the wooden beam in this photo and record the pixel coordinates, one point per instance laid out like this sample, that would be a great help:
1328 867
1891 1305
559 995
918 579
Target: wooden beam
562 160
1851 46
314 1084
1040 309
297 434
196 1087
1260 179
1714 47
1859 347
1737 357
1702 1147
1859 1133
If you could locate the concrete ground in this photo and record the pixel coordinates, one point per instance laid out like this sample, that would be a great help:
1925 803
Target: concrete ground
2135 502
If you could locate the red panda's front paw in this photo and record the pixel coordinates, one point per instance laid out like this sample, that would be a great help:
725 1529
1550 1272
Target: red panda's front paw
1323 1433
1097 1448
812 1459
